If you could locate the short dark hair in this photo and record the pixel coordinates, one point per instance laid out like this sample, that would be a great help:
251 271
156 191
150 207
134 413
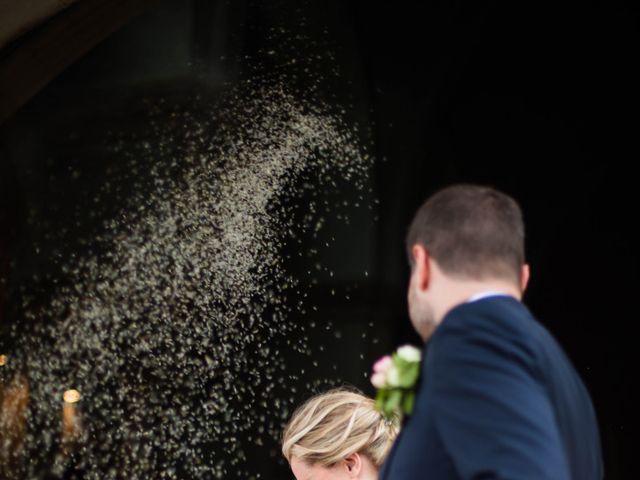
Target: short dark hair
471 231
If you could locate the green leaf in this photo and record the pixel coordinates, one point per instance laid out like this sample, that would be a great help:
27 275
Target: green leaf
408 402
381 398
400 362
409 375
393 401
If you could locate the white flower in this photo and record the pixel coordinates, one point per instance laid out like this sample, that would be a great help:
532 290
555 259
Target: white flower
393 376
409 353
378 380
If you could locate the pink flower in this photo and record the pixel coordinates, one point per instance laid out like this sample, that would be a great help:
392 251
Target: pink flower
381 370
382 365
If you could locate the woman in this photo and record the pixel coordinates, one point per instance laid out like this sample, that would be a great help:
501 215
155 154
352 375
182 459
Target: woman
338 435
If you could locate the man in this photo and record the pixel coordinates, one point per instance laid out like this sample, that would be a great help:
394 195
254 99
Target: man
498 398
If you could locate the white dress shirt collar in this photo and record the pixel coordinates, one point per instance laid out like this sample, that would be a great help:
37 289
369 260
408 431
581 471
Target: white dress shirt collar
486 293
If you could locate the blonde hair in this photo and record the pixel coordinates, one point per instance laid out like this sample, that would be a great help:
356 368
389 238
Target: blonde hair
333 425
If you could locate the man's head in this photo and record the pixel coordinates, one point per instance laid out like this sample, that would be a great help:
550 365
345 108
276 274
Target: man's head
463 239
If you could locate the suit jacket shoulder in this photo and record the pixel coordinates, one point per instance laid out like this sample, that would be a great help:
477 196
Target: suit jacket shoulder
497 398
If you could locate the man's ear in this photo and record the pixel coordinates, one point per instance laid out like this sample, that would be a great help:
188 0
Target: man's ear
421 266
353 465
525 274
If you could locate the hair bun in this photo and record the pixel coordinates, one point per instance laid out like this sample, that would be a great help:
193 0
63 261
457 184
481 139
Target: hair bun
333 425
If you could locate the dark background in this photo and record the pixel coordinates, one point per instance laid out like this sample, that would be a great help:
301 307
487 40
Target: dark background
538 99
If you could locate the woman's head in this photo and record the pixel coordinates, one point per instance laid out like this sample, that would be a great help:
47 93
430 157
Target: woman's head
338 432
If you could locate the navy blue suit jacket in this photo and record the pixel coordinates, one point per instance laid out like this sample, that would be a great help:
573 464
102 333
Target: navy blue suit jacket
497 399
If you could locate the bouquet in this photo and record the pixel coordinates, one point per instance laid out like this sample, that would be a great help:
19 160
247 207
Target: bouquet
395 377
